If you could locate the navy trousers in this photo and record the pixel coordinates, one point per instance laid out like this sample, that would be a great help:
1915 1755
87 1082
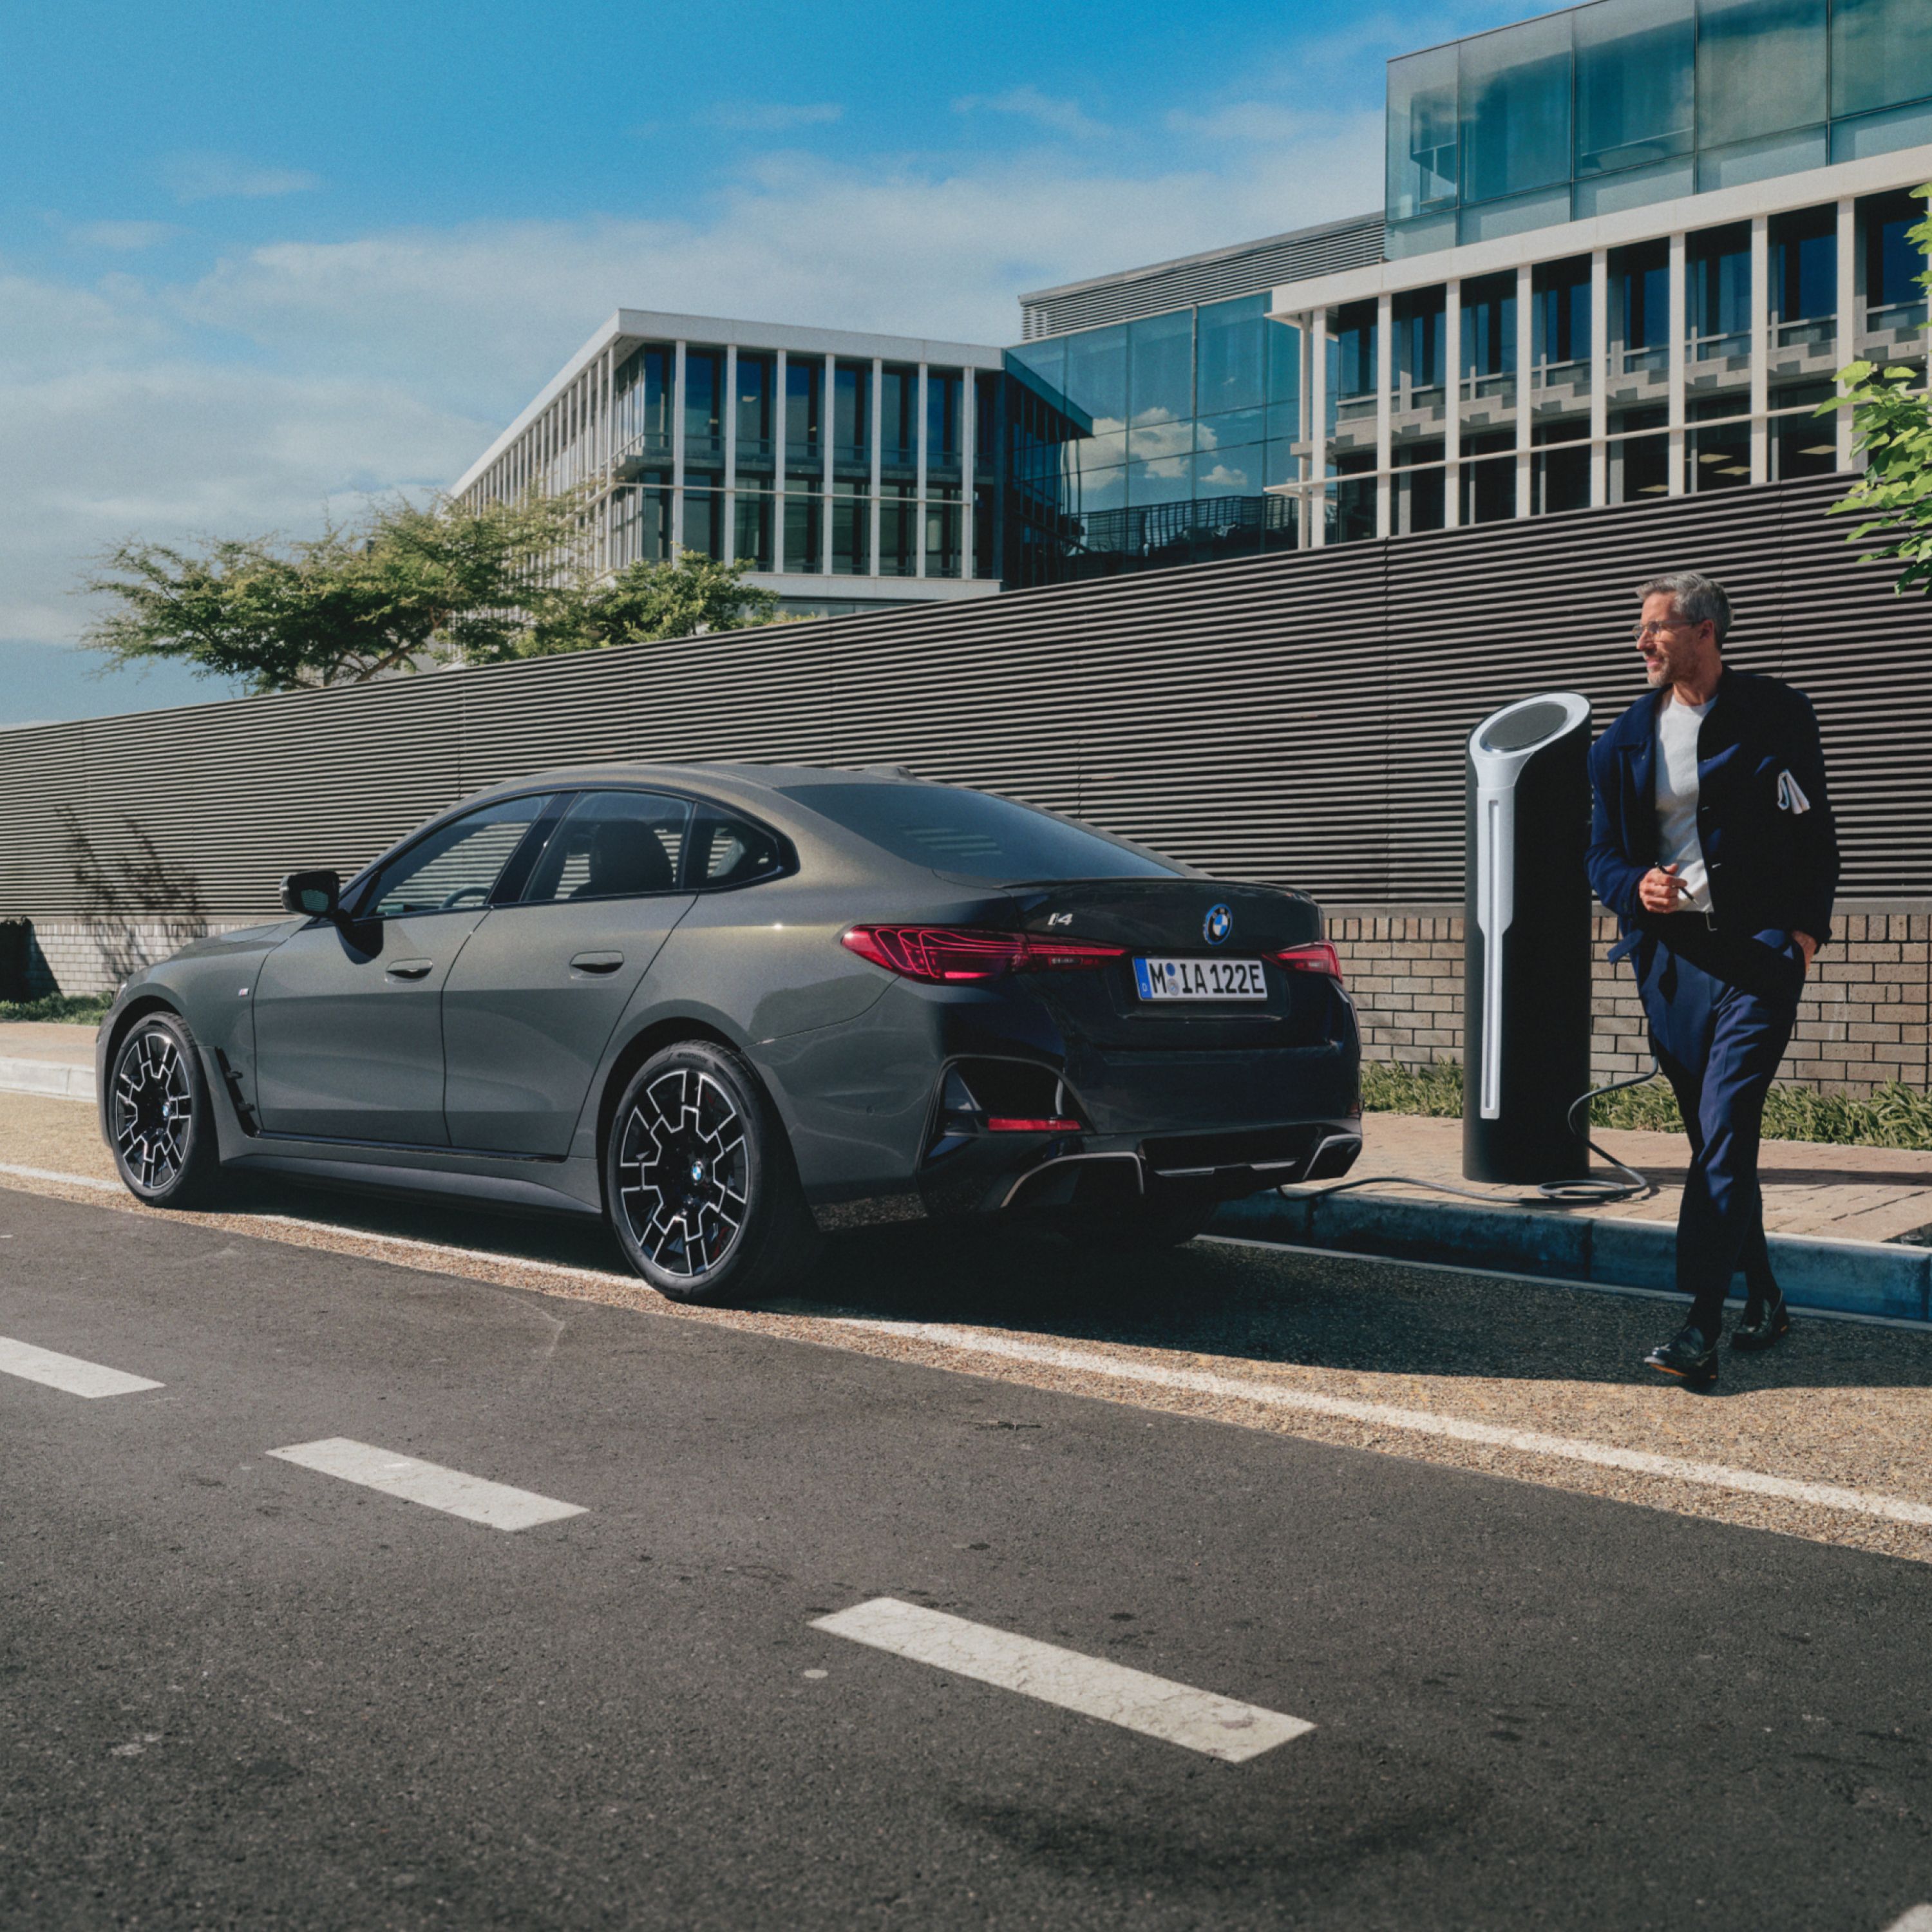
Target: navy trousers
1721 1012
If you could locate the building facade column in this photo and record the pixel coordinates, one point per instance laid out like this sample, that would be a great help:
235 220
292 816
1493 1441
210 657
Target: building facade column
969 458
1760 347
1679 323
730 451
1848 312
1452 402
1385 422
828 418
919 499
1525 376
677 455
878 388
1318 429
1599 375
781 425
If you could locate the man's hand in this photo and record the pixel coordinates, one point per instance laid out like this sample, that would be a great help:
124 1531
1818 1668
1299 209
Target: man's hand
1660 888
1807 945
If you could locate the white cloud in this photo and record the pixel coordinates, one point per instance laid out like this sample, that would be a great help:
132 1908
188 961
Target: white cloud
123 236
209 177
1062 117
1245 122
769 117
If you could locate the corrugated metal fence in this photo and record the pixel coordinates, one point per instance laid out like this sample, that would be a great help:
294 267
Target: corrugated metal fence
1298 718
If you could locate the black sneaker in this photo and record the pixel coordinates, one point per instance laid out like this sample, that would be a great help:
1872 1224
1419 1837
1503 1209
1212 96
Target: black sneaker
1687 1354
1765 1324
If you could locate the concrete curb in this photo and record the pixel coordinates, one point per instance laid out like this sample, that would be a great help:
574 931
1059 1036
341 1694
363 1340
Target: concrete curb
1858 1277
52 1079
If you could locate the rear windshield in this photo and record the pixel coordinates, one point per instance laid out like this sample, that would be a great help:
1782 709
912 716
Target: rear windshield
975 835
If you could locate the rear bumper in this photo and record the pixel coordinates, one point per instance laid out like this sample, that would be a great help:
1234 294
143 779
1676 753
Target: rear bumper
862 1105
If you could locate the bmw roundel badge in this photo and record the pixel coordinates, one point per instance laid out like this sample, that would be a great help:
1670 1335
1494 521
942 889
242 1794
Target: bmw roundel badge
1219 923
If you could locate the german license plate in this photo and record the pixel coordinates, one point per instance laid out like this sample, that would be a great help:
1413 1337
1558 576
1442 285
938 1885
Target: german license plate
1200 980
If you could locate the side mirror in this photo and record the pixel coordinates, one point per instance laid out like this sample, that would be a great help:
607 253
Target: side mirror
314 895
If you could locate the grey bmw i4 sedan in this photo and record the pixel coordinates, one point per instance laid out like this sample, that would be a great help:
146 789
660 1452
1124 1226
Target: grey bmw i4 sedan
731 1008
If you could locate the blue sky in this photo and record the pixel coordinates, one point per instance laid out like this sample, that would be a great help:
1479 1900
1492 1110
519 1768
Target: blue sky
258 263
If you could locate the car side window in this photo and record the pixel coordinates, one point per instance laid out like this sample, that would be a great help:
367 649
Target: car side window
456 866
612 844
730 851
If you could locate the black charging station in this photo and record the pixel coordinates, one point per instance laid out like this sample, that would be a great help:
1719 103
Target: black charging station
1526 942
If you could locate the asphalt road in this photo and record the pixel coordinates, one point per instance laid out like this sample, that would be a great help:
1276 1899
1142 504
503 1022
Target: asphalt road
236 1691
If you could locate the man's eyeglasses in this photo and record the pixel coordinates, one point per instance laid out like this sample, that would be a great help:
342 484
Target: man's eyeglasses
1655 628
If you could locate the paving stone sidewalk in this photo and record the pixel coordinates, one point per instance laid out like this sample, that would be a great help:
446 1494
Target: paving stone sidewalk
1810 1188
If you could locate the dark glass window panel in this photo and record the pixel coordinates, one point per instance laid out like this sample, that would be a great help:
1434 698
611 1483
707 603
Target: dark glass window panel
1719 408
851 414
1650 415
1881 54
1421 132
1284 373
1489 490
975 835
851 534
1893 260
805 403
945 393
757 375
1636 82
1236 470
804 531
943 525
1167 480
898 531
1640 297
456 866
1097 379
1514 86
1718 273
985 533
1432 451
1802 445
1420 501
704 405
752 531
704 521
1352 351
899 418
1560 480
1490 442
1761 68
1488 325
642 523
1639 468
986 424
1803 265
1561 291
720 850
1717 459
1576 430
1418 317
1160 373
643 392
612 844
1231 345
1351 511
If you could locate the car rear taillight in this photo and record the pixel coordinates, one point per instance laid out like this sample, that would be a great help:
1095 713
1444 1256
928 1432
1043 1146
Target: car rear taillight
1059 1123
951 954
1317 957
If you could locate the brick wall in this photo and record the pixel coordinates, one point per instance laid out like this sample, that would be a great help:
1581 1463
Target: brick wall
1865 1018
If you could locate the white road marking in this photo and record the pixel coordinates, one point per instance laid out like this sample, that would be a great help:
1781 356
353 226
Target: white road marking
67 1372
429 1483
1419 1421
1918 1919
65 1180
1197 1719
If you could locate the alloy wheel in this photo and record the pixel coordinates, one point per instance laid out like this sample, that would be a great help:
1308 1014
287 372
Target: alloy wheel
154 1110
683 1172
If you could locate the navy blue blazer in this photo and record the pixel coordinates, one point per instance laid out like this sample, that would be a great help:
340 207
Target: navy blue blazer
1764 820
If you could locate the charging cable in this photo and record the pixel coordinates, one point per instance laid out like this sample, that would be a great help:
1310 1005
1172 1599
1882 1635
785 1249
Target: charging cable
1591 1190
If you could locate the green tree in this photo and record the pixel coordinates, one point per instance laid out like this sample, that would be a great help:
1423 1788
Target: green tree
1891 424
645 602
406 589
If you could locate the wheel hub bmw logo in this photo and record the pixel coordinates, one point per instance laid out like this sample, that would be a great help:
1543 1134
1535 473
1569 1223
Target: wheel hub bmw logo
1219 923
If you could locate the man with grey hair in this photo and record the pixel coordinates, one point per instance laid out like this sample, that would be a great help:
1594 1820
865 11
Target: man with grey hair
1712 841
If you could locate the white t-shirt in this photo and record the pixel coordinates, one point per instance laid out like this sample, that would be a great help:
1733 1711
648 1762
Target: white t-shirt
1677 725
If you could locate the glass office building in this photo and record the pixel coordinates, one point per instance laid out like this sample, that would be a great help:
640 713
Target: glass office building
1624 251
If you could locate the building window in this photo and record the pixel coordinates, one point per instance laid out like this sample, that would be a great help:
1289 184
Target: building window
1560 294
1894 296
1640 298
1717 456
1421 133
704 520
1231 351
898 553
986 532
1802 444
751 535
1160 369
1639 468
804 531
643 403
1760 68
1881 54
1716 265
757 375
986 464
1559 478
703 405
1635 69
899 418
945 390
1804 276
805 396
851 531
1514 86
852 416
942 532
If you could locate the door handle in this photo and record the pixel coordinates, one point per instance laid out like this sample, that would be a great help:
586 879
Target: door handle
411 969
597 962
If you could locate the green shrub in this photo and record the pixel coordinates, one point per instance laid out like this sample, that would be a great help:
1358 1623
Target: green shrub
82 1008
1896 1116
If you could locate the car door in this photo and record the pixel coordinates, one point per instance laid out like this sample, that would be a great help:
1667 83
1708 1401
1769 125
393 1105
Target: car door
348 1013
531 1002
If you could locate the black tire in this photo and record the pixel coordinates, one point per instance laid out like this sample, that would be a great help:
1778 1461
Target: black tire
702 1191
159 1121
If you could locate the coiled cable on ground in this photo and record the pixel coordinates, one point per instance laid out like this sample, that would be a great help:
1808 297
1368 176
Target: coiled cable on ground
1586 1191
